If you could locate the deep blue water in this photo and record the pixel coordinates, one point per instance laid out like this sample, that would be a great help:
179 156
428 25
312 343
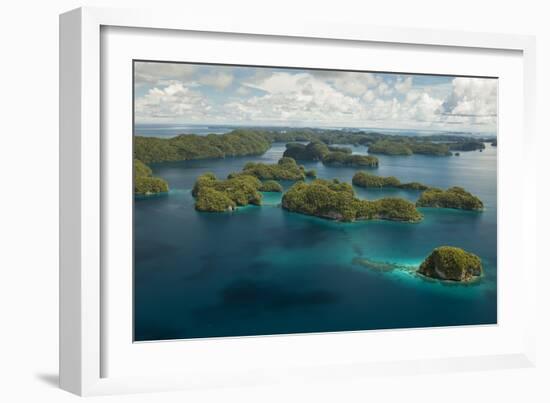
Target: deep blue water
263 270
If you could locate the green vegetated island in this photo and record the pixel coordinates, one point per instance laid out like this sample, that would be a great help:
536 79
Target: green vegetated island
454 197
319 151
145 183
337 201
243 142
410 147
451 263
245 187
367 180
444 263
323 198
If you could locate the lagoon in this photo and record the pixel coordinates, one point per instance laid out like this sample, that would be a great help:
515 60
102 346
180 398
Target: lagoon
263 270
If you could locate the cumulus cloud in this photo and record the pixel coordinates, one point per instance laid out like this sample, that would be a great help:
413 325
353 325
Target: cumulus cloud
295 97
471 97
355 84
180 92
219 80
384 89
421 107
243 90
369 96
173 101
403 85
158 73
472 102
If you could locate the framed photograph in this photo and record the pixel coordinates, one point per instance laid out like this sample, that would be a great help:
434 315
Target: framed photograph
243 203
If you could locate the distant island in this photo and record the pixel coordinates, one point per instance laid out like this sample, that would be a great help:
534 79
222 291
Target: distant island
454 197
451 263
367 180
410 146
145 183
245 141
319 151
469 145
336 201
239 142
320 147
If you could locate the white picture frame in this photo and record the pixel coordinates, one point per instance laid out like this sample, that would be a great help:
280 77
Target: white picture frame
82 174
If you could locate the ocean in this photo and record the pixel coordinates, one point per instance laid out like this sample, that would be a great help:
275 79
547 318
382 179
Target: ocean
263 270
167 130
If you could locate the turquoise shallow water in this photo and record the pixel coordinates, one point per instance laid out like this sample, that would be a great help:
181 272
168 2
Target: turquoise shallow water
263 270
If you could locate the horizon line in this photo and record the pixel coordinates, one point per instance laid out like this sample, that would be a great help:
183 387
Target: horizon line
314 127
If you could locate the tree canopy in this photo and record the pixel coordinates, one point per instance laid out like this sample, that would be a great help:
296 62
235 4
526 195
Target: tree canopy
271 186
390 147
313 151
285 169
352 160
214 195
367 180
336 200
454 197
144 181
191 147
451 263
329 155
468 145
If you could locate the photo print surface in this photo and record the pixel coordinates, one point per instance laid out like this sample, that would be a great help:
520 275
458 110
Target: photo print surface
272 200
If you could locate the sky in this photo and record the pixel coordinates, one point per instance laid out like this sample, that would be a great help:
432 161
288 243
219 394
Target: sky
180 93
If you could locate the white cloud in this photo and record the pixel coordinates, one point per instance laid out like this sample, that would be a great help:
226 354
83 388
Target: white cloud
350 83
472 100
421 107
219 80
355 84
403 85
472 97
384 89
278 83
173 101
295 97
313 97
159 73
242 90
369 96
